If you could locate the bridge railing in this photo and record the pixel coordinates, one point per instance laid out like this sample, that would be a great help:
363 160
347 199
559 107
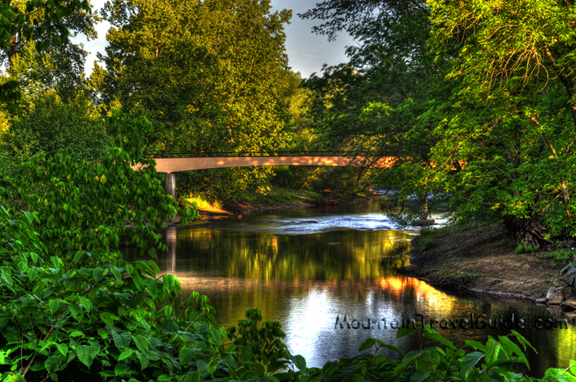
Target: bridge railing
204 154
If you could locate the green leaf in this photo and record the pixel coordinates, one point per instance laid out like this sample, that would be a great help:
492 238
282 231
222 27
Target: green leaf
367 344
108 318
121 340
300 362
6 276
511 347
15 378
492 350
87 354
186 355
476 345
62 348
192 377
97 274
121 368
420 375
125 354
523 340
141 343
144 360
53 305
202 367
439 338
275 366
53 363
343 373
117 274
405 331
468 362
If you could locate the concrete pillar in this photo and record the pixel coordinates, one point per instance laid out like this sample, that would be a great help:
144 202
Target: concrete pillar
171 184
171 255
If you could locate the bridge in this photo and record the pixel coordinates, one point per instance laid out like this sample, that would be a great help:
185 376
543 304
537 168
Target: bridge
171 163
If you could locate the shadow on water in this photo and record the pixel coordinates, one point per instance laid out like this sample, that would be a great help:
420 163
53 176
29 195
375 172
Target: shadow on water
311 269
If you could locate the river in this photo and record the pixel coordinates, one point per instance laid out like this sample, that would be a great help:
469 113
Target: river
311 267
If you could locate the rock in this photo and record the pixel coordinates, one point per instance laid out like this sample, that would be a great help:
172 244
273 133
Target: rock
543 300
570 276
565 269
569 293
569 304
555 295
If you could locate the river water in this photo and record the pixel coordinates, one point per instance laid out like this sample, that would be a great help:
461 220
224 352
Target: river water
311 268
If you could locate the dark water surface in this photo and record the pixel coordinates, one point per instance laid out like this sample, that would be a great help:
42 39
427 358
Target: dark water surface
307 267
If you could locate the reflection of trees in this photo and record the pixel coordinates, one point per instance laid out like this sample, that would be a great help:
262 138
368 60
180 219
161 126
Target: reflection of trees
358 255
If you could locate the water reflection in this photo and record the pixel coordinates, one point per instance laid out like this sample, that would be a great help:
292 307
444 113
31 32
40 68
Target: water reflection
308 280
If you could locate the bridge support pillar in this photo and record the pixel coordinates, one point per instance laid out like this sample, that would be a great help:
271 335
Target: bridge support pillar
171 184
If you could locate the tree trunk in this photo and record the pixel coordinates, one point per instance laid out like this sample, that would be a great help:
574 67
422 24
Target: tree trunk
526 231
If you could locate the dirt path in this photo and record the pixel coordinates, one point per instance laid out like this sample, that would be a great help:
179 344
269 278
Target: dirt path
483 260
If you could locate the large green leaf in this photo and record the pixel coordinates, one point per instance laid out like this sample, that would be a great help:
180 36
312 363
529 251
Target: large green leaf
121 340
468 362
87 354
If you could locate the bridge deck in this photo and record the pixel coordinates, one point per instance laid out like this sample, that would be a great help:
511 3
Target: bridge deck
171 165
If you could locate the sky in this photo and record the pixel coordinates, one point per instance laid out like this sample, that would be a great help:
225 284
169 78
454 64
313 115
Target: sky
307 52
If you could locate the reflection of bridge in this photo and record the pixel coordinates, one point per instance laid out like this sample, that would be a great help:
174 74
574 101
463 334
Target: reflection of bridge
178 162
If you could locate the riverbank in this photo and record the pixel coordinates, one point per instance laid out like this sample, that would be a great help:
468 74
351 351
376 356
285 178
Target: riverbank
276 199
483 260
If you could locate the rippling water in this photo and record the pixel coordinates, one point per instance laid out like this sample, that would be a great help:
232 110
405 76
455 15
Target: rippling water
309 267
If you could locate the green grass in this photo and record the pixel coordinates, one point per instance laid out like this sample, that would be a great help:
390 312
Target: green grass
525 248
427 243
453 228
559 254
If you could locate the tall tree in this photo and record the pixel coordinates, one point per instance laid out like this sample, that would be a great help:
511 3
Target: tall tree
513 119
205 73
380 101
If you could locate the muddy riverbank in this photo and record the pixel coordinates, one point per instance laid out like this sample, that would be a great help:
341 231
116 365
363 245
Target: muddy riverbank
482 260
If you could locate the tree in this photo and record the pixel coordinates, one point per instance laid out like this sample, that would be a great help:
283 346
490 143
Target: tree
205 73
22 22
49 124
380 102
512 119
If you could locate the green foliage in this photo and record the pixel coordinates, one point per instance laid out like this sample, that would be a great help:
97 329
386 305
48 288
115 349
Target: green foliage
105 319
493 361
85 206
511 120
49 124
